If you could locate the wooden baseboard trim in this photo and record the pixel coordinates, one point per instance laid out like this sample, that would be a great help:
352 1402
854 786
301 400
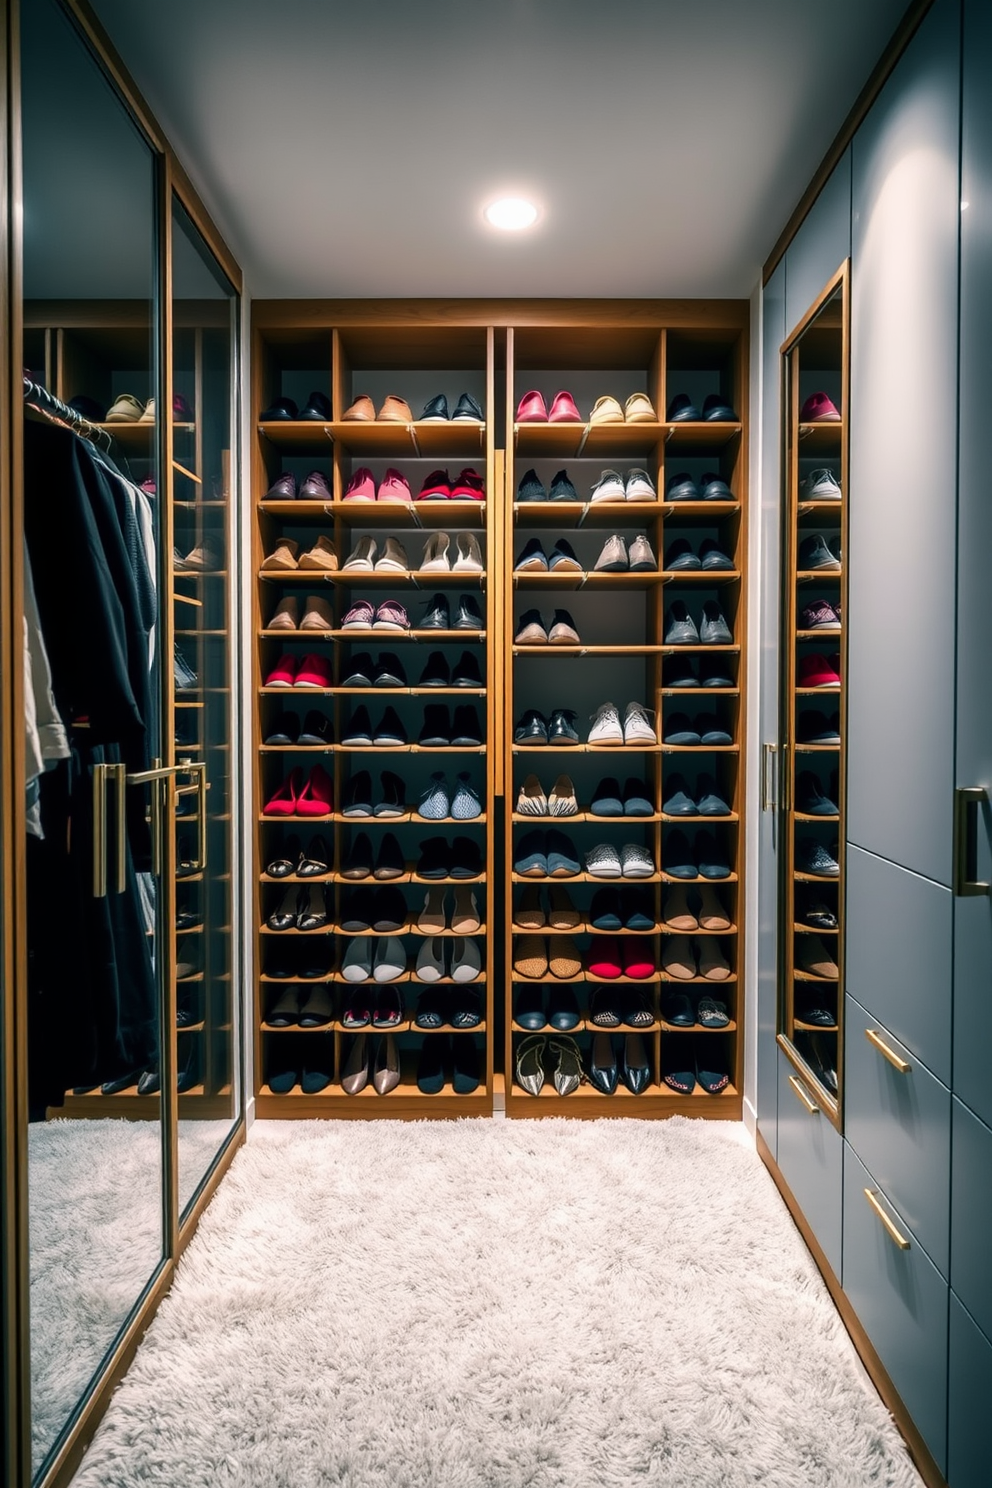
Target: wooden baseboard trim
918 1449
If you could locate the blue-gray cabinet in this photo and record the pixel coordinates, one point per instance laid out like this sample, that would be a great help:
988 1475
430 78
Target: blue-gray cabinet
810 1159
969 1393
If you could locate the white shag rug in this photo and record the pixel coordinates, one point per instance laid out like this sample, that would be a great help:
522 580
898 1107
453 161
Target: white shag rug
496 1304
95 1238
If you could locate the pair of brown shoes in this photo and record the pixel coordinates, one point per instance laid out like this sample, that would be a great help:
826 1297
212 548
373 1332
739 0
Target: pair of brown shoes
322 555
530 913
535 957
393 411
316 614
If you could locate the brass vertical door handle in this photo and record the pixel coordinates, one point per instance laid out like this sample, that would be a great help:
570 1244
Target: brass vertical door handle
968 801
198 769
768 792
102 776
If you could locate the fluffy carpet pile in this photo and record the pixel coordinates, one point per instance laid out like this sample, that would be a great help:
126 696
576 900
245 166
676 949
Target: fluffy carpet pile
490 1304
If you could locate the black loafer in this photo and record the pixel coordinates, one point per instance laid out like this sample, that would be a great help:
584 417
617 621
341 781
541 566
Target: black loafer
561 728
466 860
436 409
282 410
317 729
436 615
469 409
388 912
604 912
436 732
318 410
682 410
532 728
677 1010
712 488
359 671
469 615
682 487
435 673
603 1070
680 556
716 410
466 729
466 672
286 729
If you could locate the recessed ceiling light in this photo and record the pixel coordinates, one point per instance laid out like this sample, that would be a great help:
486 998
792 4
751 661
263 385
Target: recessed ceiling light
511 213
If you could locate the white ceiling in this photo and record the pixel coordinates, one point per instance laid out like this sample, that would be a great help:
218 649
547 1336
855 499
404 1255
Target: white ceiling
346 148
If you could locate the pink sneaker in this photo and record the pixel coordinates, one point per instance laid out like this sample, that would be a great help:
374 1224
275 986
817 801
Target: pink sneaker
314 671
394 487
469 486
361 487
531 409
818 409
283 674
359 617
437 487
564 411
391 615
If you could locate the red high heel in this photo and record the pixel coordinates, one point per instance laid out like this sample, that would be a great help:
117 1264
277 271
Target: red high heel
316 797
285 802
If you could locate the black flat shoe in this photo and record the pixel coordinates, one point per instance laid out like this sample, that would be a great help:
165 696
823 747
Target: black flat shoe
357 799
359 858
313 910
465 672
604 1009
635 1068
389 671
318 1009
359 671
435 858
465 1071
388 911
282 410
563 1009
436 732
432 1008
316 862
529 1012
678 1065
465 1008
392 801
469 616
435 1053
711 1067
603 1070
436 672
466 860
286 729
532 728
436 615
318 408
561 727
285 863
356 911
390 862
283 917
466 728
317 729
389 731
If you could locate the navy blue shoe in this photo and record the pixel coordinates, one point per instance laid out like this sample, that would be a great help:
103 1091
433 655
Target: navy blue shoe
679 800
678 729
529 1011
563 1009
606 798
435 411
435 1053
636 909
531 859
710 802
283 410
531 487
677 857
563 860
682 410
712 488
318 410
682 487
465 1074
713 556
680 556
711 857
604 912
711 731
636 801
469 410
716 410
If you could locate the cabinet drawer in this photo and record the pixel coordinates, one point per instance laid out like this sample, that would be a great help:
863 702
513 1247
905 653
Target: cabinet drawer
969 1396
899 1123
810 1158
971 1214
901 1300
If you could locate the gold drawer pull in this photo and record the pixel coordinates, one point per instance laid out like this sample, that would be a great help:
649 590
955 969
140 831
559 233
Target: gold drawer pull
804 1096
894 1234
887 1053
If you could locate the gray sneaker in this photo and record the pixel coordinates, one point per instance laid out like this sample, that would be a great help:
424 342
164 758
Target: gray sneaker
435 802
613 557
466 803
609 487
814 553
680 628
714 630
642 559
820 485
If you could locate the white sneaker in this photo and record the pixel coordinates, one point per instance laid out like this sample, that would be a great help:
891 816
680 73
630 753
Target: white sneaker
469 558
609 487
357 963
362 555
603 861
637 727
606 727
393 557
390 959
636 861
466 962
640 486
436 558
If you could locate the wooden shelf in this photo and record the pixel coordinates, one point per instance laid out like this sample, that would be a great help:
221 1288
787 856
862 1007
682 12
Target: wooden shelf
413 441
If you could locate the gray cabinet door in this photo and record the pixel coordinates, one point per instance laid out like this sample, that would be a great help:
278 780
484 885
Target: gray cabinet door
898 966
901 1301
971 1213
769 822
901 625
969 1393
820 246
810 1159
973 916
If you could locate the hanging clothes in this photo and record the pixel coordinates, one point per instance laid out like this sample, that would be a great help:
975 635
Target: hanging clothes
45 741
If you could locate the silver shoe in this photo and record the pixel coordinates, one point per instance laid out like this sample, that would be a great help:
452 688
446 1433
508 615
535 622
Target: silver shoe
530 1070
567 1073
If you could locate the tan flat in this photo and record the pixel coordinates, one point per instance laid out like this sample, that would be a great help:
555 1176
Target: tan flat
322 555
606 411
530 958
287 614
395 411
432 917
676 912
563 914
677 958
284 556
712 915
813 956
529 913
562 800
317 615
564 960
713 964
361 411
640 410
531 800
465 917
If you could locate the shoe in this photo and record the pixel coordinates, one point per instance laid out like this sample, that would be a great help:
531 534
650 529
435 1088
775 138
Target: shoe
677 856
312 908
817 671
562 913
682 410
813 957
680 801
604 1072
711 858
639 486
282 557
531 409
562 631
359 616
531 859
389 959
680 628
466 1073
315 672
357 910
641 554
435 559
604 958
315 487
812 910
711 1013
713 964
466 730
436 487
637 727
435 673
283 917
529 1065
355 1071
636 801
322 555
530 957
562 1009
712 488
675 911
603 861
283 674
126 410
469 616
357 732
682 487
388 671
562 558
604 911
317 614
676 1009
531 487
609 487
435 801
389 732
435 858
356 964
820 485
531 800
814 554
637 910
286 859
436 614
283 488
820 615
395 411
635 1067
714 630
810 797
317 729
563 861
316 861
315 797
287 614
390 862
465 916
391 615
361 486
636 861
563 410
607 799
639 409
466 860
561 488
564 958
814 727
393 558
434 1054
562 801
435 411
469 559
716 410
711 1072
530 630
465 805
566 1064
678 729
710 802
606 410
394 487
284 802
468 485
532 728
285 1011
533 559
613 556
468 410
386 1063
529 912
606 727
714 558
359 858
678 1065
561 729
819 409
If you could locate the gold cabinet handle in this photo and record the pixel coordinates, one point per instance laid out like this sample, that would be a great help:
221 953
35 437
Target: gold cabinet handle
804 1095
894 1234
102 775
198 769
968 802
877 1042
768 753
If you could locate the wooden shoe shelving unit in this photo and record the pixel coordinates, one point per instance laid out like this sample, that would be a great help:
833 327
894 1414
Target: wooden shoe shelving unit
496 350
